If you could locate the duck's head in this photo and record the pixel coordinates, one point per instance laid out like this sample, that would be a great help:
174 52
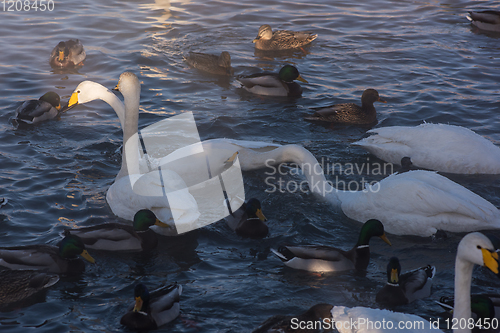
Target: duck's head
141 295
265 33
145 218
482 306
372 228
289 73
477 249
52 98
224 59
62 51
71 246
371 96
393 270
254 209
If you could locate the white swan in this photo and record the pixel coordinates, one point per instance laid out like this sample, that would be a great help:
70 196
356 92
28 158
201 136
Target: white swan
473 249
439 147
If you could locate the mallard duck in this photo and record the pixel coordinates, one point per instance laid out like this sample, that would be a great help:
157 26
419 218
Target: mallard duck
218 65
121 237
17 285
152 311
52 259
271 84
279 324
37 110
440 147
473 249
267 40
482 305
404 289
329 259
486 20
248 221
350 113
67 54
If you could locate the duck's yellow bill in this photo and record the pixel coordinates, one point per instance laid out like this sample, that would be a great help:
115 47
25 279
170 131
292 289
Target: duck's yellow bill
394 276
61 56
260 215
138 304
381 100
385 239
58 107
490 260
301 79
87 256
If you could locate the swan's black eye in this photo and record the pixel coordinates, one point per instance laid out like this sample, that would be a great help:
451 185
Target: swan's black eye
479 247
78 91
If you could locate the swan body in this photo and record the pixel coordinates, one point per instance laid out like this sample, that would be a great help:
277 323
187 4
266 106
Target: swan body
210 63
52 259
272 84
440 147
68 54
488 20
18 285
350 113
405 288
35 111
280 40
473 249
315 258
151 311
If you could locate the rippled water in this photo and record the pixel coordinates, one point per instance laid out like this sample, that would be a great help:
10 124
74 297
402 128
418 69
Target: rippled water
423 57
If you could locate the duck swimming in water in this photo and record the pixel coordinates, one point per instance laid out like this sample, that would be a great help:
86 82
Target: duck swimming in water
280 40
67 54
210 63
38 110
272 84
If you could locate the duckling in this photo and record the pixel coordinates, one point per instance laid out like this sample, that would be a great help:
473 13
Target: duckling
67 54
248 221
210 63
52 259
37 110
280 40
155 310
277 324
488 20
17 285
121 237
404 289
315 258
272 84
350 113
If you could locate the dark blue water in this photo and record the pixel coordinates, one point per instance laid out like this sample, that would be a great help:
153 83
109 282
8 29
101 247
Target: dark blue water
424 58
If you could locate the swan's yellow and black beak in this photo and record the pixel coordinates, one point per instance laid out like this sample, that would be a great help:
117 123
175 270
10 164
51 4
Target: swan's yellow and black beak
161 224
232 158
385 239
138 304
87 256
117 87
394 276
73 101
490 260
260 215
61 55
301 79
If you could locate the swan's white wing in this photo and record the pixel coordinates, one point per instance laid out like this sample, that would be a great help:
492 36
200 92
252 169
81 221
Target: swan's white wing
364 320
438 147
420 202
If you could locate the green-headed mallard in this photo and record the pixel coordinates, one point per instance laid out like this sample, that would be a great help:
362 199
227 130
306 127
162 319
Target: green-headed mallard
67 54
210 63
405 288
248 221
482 305
277 324
315 258
60 260
350 113
272 84
152 311
17 285
280 40
121 237
37 110
488 20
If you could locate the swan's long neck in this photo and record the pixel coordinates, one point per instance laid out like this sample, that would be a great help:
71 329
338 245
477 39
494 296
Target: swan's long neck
463 278
251 160
130 155
117 105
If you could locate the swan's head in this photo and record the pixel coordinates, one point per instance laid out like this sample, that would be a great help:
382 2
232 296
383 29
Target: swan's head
477 249
88 91
129 86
